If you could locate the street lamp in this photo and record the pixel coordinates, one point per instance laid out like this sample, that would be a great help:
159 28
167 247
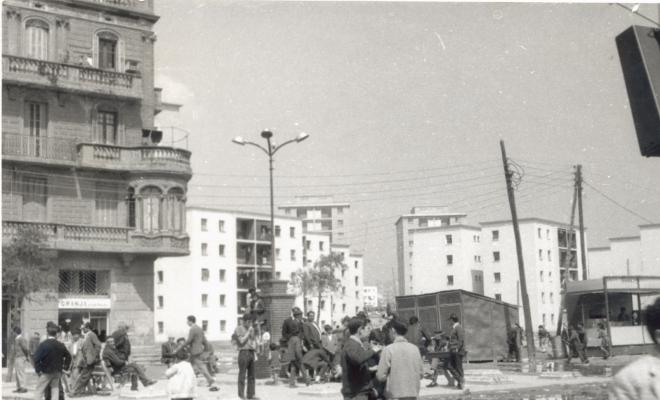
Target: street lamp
270 151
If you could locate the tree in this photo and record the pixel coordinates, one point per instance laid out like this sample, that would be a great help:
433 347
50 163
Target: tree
320 279
24 262
303 280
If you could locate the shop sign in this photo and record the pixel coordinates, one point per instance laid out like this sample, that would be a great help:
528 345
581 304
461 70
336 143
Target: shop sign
84 303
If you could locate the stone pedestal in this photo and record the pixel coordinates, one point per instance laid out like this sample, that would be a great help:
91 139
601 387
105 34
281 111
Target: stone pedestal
278 303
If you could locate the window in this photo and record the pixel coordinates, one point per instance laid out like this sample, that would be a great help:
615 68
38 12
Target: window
107 51
343 308
35 128
205 300
34 199
343 290
205 325
204 227
357 293
322 304
205 274
221 226
475 238
496 235
540 255
340 223
221 250
222 300
320 246
450 259
357 280
410 243
450 280
547 234
277 253
552 298
550 276
356 264
205 248
498 277
278 231
541 276
222 275
552 319
549 256
106 123
130 205
160 276
292 232
343 273
308 244
174 210
161 327
477 259
538 231
293 255
150 200
544 321
340 210
37 36
223 325
448 239
498 296
543 297
496 256
160 301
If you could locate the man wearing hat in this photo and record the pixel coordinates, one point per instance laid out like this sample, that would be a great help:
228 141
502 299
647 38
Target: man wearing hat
456 351
50 358
91 355
292 330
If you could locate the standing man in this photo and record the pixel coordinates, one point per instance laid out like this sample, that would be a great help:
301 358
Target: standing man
292 330
356 381
50 359
90 357
311 332
122 344
543 338
21 354
247 344
512 340
76 356
400 365
34 343
457 351
417 335
575 346
195 342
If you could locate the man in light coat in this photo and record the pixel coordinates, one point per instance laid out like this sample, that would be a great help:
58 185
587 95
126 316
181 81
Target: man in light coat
400 365
21 354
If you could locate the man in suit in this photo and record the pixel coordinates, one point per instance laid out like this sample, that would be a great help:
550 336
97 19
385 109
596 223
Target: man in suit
90 357
122 344
21 355
311 332
167 353
50 359
112 357
417 335
356 376
456 351
292 331
196 343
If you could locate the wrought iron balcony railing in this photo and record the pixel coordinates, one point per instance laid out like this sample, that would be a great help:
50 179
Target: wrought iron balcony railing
100 238
38 147
70 77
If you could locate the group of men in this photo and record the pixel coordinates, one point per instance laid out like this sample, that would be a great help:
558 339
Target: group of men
74 361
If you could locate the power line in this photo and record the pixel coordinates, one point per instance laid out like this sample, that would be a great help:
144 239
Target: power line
617 203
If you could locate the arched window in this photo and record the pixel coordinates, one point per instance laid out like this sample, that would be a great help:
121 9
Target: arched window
151 199
174 210
130 205
36 33
108 51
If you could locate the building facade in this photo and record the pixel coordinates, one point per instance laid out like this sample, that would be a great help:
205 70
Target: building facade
228 250
419 217
81 160
633 256
320 214
370 296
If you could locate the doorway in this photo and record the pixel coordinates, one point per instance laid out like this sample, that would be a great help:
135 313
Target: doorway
74 319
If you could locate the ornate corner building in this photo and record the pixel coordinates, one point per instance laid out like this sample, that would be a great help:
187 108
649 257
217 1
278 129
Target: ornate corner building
81 160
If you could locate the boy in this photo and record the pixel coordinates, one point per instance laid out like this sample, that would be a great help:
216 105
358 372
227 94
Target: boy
604 341
274 363
182 384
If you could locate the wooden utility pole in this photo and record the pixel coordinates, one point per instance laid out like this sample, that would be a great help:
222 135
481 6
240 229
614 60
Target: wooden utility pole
583 254
529 328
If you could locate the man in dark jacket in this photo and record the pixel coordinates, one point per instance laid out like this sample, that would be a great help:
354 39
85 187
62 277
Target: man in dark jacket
311 332
418 336
168 356
122 344
196 345
356 376
112 357
50 358
456 351
91 352
292 331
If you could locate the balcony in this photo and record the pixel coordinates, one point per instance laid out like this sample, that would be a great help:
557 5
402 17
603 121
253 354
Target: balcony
38 149
143 158
138 6
101 238
74 78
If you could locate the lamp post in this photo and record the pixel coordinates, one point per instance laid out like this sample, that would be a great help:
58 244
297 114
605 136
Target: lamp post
270 151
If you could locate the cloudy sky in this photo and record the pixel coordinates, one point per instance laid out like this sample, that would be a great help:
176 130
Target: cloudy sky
405 104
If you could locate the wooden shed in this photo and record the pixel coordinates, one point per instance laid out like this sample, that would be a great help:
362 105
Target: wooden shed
486 321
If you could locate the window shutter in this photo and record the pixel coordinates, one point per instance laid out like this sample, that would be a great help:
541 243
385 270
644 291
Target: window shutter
121 58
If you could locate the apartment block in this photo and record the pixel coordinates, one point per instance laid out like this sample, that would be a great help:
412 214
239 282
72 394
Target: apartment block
321 214
229 252
82 160
627 256
370 296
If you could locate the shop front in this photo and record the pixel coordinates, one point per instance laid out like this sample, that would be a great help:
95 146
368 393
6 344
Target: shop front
619 302
73 312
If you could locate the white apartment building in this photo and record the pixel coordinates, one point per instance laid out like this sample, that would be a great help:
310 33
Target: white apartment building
370 296
482 259
406 225
227 249
321 214
635 255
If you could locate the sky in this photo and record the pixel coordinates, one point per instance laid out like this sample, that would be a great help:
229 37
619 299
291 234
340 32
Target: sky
405 105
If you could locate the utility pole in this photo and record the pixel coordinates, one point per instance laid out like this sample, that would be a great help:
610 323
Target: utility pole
529 328
583 254
567 262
